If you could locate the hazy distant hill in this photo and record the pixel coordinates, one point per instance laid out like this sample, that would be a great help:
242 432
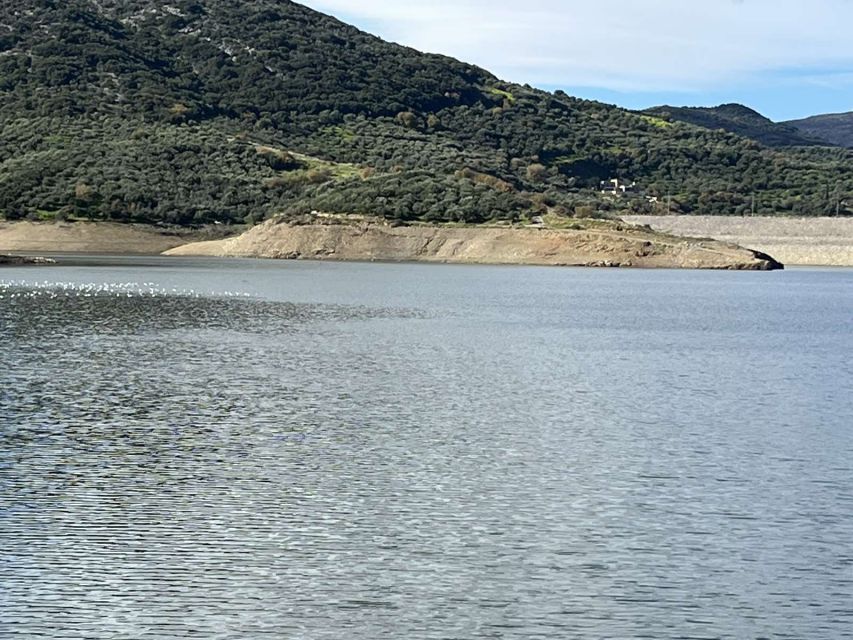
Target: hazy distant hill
736 118
213 110
836 128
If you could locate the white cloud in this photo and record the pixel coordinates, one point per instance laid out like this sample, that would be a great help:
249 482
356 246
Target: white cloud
623 45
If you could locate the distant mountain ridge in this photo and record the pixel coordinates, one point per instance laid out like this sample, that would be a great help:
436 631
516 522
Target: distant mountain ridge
836 128
202 111
743 121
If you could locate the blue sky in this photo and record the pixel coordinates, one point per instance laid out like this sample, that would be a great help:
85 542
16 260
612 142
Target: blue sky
785 58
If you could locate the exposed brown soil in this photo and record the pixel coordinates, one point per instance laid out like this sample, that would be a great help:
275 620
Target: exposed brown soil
92 237
597 245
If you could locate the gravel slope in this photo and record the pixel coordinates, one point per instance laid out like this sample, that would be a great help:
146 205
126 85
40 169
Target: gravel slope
793 241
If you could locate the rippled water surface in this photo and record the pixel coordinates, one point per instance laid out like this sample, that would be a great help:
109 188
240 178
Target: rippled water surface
241 449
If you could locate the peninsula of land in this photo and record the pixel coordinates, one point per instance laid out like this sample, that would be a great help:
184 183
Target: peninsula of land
585 243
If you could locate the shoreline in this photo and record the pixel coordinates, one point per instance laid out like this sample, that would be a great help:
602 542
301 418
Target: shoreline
589 243
815 242
95 237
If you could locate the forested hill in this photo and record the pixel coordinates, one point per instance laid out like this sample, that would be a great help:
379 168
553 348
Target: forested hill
746 122
836 128
213 110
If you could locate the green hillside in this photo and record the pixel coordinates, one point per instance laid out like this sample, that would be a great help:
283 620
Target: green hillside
211 110
836 128
736 118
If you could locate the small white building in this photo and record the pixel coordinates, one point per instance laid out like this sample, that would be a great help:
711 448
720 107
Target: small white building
617 186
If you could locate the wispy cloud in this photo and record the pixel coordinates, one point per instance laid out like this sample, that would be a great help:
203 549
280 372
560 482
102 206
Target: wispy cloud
839 80
625 45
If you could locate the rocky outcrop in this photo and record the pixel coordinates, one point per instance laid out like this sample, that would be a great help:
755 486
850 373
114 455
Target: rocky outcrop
18 260
597 243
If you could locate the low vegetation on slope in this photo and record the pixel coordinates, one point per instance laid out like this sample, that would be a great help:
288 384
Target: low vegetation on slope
741 120
836 128
213 111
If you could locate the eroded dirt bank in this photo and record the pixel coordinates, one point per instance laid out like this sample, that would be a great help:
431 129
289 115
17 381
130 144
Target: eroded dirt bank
596 245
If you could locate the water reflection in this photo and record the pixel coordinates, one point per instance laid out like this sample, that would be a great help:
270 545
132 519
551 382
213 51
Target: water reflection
151 443
129 308
176 465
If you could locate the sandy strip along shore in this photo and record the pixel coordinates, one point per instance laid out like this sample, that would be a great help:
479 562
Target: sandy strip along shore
93 237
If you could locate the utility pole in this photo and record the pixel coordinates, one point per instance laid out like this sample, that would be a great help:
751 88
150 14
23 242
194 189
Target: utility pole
838 201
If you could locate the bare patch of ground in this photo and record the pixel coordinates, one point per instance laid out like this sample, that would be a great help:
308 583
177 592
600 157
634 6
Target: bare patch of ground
595 243
793 241
93 237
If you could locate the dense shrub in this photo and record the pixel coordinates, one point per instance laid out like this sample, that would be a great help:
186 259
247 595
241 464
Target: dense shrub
209 110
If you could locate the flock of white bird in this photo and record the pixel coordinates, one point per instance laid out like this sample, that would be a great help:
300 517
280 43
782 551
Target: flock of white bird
46 289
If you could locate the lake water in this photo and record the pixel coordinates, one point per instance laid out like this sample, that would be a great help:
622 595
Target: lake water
248 449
